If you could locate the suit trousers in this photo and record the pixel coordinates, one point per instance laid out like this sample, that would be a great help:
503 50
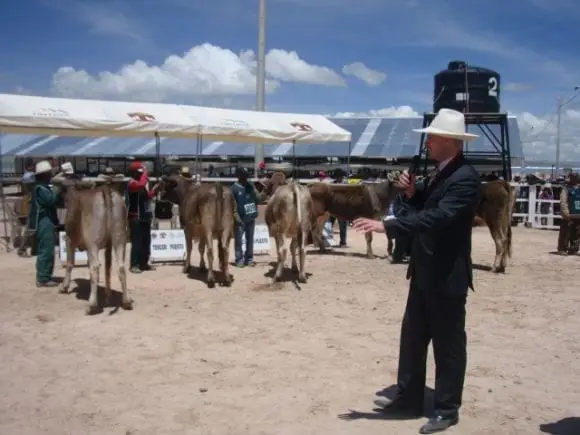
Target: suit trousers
432 316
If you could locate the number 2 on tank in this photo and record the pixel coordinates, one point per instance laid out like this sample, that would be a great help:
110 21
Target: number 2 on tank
492 90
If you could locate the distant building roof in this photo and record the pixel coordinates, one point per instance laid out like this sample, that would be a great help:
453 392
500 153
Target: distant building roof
371 137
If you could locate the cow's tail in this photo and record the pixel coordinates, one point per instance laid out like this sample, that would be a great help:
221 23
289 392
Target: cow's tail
297 206
511 205
108 200
219 205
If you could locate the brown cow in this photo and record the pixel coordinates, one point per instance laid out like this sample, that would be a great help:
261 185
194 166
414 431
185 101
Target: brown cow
351 201
96 219
206 212
495 209
289 219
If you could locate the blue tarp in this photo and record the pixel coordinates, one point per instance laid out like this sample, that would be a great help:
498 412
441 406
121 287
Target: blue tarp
371 137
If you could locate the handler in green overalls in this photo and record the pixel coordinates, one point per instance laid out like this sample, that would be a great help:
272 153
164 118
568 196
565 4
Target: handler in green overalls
43 221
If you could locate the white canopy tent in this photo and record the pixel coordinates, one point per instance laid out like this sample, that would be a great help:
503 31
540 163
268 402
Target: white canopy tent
61 116
20 114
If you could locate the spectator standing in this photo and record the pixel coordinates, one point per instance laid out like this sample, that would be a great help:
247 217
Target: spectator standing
247 199
23 206
569 235
546 197
140 216
342 224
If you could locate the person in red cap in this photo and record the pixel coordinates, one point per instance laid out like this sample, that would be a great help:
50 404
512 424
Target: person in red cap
140 216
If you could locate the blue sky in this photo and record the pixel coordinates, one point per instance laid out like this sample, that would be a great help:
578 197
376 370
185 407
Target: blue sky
198 52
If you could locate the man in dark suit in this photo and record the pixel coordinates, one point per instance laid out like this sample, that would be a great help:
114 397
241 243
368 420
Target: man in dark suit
438 212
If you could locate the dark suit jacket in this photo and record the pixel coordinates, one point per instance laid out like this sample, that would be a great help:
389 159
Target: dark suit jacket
440 217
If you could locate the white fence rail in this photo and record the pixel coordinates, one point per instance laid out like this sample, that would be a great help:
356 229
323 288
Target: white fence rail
538 206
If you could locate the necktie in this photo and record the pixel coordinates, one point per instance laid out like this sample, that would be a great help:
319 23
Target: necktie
433 176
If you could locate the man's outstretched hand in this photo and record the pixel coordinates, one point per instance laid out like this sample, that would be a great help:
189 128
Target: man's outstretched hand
364 225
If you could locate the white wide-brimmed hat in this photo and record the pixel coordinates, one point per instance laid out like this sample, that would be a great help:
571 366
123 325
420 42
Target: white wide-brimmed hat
448 123
67 168
42 167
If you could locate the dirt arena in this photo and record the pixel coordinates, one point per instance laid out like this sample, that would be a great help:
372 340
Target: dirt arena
284 361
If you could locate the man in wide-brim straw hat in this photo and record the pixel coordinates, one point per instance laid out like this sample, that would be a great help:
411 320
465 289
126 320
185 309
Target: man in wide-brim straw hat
438 211
43 220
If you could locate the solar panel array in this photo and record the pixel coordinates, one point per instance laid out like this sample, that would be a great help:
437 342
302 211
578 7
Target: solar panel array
371 137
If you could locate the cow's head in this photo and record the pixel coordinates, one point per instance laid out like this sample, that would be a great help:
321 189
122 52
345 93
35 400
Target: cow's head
276 180
387 191
173 188
69 185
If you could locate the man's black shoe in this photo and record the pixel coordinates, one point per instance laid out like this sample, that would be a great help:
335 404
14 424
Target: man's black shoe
438 424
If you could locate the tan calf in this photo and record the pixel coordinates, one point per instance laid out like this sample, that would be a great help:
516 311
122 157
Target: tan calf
289 220
495 209
351 201
206 213
96 219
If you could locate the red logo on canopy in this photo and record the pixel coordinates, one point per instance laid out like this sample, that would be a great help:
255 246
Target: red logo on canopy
141 116
301 126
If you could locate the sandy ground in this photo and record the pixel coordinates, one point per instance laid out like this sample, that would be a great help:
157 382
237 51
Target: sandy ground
283 361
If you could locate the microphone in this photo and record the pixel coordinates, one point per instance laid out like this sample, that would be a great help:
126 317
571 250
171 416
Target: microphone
415 166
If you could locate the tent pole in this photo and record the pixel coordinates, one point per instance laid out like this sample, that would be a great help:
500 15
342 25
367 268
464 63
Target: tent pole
157 155
6 237
199 149
261 78
294 159
348 160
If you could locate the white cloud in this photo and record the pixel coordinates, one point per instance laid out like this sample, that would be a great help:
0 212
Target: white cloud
287 66
205 70
538 133
393 111
362 72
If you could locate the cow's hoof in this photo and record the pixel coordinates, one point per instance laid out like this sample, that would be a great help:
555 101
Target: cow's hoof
211 284
499 269
185 270
302 279
127 305
92 309
63 290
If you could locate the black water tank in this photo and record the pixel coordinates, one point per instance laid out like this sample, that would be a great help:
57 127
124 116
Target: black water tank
483 86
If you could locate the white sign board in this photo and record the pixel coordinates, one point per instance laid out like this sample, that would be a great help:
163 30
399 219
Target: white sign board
167 245
261 239
80 256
